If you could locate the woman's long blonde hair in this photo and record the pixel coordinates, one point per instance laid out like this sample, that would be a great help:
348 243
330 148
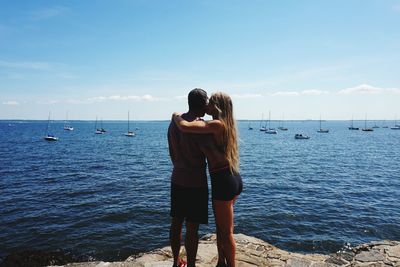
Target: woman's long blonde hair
223 104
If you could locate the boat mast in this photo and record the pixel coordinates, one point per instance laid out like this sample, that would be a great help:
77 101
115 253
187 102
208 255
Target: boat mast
47 128
320 122
269 120
128 121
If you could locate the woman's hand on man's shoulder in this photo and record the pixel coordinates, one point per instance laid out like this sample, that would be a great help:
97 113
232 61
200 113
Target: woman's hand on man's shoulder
176 114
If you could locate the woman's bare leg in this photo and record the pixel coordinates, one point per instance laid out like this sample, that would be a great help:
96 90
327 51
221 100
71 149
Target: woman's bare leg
223 212
221 255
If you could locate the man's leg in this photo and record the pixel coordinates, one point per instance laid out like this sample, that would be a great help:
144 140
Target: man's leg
191 242
175 235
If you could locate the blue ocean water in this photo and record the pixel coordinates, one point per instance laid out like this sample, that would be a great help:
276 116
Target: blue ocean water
106 197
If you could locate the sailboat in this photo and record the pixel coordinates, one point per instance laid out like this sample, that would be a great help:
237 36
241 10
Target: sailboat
365 129
282 128
320 127
262 128
249 127
101 128
48 136
270 130
352 126
67 126
97 130
375 126
396 126
129 133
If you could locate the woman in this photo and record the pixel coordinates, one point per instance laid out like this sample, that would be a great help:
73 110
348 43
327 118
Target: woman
223 164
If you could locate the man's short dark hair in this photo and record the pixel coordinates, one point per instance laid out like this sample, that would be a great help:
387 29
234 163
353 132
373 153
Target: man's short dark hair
197 99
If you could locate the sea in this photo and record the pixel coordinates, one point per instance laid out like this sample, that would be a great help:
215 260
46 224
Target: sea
106 197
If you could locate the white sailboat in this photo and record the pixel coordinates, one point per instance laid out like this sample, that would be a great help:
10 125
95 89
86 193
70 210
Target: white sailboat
129 133
352 126
375 125
101 128
366 129
67 126
270 130
282 127
47 135
97 130
321 130
250 127
396 126
262 128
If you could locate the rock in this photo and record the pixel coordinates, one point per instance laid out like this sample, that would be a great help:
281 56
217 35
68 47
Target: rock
394 251
337 260
250 252
369 256
298 262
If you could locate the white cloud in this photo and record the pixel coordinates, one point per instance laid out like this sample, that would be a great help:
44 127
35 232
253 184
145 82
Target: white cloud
393 90
11 103
121 98
26 65
48 13
286 93
245 96
314 92
362 89
299 93
359 89
147 98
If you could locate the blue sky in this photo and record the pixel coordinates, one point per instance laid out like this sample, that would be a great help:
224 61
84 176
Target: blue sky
102 58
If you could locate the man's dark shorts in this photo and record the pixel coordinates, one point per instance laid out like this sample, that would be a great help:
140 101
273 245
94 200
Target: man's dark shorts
190 203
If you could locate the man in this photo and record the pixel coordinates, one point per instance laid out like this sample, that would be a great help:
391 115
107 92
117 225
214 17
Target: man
189 190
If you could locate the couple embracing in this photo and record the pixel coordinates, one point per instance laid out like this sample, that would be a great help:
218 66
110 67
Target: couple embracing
194 144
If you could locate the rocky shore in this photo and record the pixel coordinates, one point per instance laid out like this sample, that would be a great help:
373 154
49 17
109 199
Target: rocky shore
255 252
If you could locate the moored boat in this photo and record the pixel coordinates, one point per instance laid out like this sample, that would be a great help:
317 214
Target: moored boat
366 129
301 136
48 136
129 133
321 130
